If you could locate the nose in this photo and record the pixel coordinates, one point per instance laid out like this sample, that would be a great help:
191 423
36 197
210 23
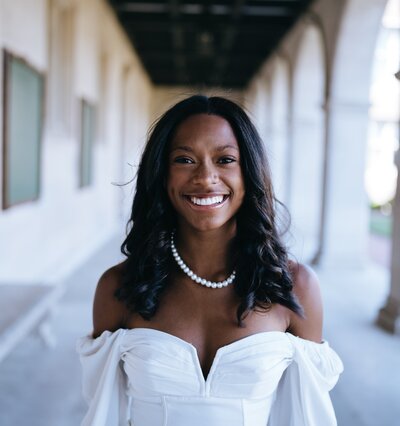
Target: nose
205 174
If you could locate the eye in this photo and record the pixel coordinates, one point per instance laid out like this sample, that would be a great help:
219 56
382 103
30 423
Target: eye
183 160
226 160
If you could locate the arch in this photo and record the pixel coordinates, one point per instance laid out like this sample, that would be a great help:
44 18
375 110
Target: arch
307 151
355 49
384 113
345 217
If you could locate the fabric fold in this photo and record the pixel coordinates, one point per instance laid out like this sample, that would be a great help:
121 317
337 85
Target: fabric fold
104 382
302 397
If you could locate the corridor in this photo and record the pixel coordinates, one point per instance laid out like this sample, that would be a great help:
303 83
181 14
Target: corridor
82 81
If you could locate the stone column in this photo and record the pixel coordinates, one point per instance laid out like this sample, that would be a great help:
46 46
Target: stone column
344 233
389 315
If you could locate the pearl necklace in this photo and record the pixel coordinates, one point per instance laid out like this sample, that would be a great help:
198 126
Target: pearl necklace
193 276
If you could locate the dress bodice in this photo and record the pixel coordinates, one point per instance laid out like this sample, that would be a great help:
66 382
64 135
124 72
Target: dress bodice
147 377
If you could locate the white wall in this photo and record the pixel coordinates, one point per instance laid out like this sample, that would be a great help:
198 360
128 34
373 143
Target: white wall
43 240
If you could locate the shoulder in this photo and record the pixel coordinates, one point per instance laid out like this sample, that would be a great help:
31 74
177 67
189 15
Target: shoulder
307 290
108 311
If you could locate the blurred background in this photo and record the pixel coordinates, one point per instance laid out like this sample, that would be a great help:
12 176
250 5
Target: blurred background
82 80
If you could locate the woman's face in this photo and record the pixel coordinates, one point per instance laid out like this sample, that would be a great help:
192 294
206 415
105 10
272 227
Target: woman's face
205 182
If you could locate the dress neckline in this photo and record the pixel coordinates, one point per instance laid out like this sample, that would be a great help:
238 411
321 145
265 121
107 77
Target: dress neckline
186 343
255 336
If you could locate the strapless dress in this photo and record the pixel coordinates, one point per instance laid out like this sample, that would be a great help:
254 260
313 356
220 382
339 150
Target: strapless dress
146 377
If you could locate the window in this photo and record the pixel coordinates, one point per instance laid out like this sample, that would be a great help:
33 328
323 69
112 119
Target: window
87 141
22 131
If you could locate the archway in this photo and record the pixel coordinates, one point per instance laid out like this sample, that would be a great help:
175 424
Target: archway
383 138
345 226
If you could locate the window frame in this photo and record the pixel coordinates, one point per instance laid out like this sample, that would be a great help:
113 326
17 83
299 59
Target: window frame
8 57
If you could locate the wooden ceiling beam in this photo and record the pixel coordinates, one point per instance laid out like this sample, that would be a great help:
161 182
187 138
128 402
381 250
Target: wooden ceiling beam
178 41
227 41
205 42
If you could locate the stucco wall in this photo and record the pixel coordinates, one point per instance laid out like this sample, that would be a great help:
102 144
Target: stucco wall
45 239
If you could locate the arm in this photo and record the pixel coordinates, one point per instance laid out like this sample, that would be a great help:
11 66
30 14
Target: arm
104 381
108 312
306 288
302 396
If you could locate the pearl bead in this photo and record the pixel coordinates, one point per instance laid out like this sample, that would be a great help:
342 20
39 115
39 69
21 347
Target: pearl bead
193 276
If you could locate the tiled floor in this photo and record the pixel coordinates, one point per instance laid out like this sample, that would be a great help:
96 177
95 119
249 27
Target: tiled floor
41 387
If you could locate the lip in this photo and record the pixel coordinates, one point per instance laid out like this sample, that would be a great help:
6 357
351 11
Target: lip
205 208
205 194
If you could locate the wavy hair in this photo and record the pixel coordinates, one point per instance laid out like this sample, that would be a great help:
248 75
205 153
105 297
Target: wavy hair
262 269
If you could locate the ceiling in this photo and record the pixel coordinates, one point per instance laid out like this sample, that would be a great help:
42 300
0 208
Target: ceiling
206 43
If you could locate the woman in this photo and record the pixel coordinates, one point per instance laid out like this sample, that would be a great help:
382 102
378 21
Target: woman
207 321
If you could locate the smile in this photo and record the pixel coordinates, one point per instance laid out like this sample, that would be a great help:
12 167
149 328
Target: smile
214 201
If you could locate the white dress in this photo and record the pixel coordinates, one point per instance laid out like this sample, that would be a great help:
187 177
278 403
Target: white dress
146 377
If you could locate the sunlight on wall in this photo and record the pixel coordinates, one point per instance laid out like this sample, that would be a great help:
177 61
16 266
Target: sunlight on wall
383 133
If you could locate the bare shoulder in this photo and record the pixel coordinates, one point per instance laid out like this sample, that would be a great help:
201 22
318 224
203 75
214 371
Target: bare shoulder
108 311
307 290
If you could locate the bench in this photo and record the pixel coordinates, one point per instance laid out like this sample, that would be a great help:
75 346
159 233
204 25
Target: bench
23 309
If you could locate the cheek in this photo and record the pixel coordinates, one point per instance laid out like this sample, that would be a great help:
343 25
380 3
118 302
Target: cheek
238 183
241 197
241 191
173 185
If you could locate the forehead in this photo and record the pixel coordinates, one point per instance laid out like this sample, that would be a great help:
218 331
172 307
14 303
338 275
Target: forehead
204 129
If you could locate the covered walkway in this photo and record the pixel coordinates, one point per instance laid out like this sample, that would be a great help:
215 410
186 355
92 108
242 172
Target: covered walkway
96 74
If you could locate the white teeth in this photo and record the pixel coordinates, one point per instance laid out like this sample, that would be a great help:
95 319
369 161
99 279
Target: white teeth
207 201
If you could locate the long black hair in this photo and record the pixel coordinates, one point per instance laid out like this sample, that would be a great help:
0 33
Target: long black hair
262 269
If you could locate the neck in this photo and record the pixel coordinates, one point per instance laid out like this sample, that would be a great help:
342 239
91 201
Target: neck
209 254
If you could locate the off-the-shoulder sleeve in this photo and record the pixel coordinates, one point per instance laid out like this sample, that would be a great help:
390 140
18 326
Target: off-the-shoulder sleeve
302 397
104 383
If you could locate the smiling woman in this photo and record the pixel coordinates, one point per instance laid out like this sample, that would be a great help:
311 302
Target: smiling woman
207 312
184 159
205 181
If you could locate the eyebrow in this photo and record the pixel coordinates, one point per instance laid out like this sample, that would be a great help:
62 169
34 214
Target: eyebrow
218 148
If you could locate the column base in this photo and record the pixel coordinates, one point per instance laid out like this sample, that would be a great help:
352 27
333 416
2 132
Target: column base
389 316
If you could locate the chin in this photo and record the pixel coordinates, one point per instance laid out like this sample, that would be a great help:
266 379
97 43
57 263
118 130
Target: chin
206 226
